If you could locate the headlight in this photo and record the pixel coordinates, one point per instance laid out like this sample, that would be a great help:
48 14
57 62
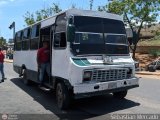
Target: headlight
87 76
136 64
129 73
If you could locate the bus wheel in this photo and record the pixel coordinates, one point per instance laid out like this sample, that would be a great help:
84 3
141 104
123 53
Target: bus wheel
25 80
120 95
62 96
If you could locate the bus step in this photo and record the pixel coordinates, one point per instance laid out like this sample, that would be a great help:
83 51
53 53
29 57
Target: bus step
45 88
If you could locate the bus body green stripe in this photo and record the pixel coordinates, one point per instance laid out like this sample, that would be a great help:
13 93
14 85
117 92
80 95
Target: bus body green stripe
81 62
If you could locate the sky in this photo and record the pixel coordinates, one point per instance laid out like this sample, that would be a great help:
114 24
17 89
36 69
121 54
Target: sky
14 10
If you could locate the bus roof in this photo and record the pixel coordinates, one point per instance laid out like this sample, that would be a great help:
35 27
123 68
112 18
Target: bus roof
77 12
93 14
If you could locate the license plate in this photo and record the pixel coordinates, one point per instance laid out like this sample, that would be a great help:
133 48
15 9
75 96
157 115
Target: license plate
112 85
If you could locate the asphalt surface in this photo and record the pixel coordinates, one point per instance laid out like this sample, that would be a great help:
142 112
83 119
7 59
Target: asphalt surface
17 99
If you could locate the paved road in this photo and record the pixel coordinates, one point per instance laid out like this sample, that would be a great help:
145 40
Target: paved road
16 98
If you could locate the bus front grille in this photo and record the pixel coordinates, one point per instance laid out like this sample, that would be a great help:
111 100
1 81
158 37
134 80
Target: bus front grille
109 75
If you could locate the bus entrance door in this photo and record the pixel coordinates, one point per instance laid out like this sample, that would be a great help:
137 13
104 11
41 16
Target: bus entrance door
46 36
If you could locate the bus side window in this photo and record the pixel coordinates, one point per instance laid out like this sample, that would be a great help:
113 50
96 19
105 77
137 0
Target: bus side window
60 32
26 37
19 41
60 40
35 37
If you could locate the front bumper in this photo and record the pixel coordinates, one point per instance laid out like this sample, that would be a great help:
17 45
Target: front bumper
101 88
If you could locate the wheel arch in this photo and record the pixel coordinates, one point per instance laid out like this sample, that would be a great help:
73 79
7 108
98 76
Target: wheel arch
66 82
23 66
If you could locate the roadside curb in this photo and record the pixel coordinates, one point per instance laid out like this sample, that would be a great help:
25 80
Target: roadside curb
8 61
148 73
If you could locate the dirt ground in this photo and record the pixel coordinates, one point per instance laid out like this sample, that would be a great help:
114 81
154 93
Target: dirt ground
148 76
144 59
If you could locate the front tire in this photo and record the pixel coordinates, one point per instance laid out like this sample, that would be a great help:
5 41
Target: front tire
120 95
62 96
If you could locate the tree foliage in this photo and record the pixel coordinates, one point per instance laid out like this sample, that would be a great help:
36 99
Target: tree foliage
73 6
31 18
2 42
136 13
91 4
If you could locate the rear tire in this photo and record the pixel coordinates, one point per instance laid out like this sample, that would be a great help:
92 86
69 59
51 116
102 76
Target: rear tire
120 95
24 77
62 96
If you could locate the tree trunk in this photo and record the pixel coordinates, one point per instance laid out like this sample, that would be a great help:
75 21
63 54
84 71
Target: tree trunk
134 52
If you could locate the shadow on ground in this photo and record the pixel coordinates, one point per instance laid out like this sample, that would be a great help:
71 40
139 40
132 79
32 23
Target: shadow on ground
81 109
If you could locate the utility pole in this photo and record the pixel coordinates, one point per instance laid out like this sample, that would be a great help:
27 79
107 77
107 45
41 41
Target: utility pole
12 26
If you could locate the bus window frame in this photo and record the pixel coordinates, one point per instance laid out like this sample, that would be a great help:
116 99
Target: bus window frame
28 38
60 48
15 42
18 41
36 37
55 32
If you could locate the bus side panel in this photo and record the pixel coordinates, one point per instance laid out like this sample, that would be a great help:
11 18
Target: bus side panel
27 59
60 64
17 61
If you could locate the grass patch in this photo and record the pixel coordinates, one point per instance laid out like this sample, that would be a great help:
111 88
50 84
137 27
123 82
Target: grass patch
154 53
149 43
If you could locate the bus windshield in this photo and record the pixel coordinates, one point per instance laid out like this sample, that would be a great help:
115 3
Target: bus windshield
99 36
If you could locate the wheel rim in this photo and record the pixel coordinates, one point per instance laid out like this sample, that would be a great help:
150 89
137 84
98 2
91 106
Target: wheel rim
59 95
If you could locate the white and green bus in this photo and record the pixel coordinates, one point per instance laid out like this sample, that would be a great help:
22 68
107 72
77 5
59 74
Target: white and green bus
89 55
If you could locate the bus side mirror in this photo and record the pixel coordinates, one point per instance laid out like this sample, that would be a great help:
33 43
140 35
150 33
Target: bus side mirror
71 21
70 33
130 41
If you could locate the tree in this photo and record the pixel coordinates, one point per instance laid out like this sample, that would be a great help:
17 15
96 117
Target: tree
91 4
136 13
2 42
73 6
31 18
56 8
